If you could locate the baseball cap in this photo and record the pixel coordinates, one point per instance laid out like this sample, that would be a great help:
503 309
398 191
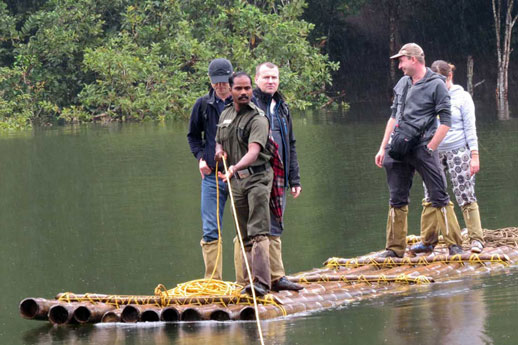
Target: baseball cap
220 70
409 49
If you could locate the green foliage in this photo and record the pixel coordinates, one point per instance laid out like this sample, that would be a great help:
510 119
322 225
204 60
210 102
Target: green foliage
143 59
8 33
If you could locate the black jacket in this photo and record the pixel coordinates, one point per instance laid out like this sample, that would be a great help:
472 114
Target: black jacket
291 163
425 100
202 131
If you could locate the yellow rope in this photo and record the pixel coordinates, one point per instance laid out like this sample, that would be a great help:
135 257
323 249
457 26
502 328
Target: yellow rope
218 222
201 287
249 271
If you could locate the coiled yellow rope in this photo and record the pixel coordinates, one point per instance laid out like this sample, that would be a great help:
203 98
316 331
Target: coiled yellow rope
204 287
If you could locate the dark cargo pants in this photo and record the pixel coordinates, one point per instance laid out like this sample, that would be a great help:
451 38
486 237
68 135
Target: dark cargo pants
401 173
399 178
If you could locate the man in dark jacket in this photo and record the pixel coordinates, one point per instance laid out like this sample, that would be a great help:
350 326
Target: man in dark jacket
419 97
268 99
201 137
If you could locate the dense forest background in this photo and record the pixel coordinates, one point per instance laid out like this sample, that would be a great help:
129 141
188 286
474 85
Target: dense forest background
137 59
358 37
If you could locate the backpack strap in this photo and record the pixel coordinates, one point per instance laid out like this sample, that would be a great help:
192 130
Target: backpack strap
203 108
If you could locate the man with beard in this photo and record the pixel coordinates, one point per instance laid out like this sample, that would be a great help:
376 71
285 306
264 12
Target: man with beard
419 98
241 138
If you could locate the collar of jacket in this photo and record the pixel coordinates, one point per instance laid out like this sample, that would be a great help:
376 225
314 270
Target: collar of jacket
211 97
266 98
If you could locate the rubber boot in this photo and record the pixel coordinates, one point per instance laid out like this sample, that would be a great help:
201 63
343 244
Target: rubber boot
238 263
429 230
397 228
449 225
258 256
276 265
472 219
210 256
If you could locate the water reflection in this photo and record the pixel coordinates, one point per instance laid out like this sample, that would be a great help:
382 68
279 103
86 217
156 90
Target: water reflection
115 209
232 333
453 313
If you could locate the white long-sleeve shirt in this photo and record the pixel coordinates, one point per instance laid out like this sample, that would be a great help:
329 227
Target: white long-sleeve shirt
463 131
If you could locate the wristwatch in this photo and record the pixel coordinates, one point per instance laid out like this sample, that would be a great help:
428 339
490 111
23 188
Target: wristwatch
429 150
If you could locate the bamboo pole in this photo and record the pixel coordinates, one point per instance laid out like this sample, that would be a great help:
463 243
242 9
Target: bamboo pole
150 315
214 312
170 314
36 308
62 313
91 313
121 300
112 316
422 260
133 313
349 278
190 313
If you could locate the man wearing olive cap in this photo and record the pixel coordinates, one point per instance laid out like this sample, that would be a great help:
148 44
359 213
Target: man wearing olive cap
201 137
420 97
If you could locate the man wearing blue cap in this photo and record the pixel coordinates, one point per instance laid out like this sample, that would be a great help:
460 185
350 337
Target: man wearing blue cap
201 137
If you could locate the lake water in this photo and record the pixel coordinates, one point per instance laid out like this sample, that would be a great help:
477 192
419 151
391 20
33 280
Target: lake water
115 209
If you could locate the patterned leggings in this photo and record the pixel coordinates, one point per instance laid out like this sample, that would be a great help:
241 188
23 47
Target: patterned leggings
457 164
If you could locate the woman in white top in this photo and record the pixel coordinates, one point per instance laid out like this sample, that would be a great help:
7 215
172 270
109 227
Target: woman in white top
459 154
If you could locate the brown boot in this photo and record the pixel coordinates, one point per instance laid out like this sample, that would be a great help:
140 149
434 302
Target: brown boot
397 228
259 260
213 262
449 225
471 216
429 230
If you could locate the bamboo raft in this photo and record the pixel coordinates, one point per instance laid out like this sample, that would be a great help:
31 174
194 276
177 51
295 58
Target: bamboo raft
339 282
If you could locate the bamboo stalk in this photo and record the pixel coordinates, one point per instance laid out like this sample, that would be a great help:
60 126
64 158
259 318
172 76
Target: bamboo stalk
133 313
170 314
214 312
112 316
150 315
381 278
62 313
121 300
91 313
190 313
36 308
466 258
